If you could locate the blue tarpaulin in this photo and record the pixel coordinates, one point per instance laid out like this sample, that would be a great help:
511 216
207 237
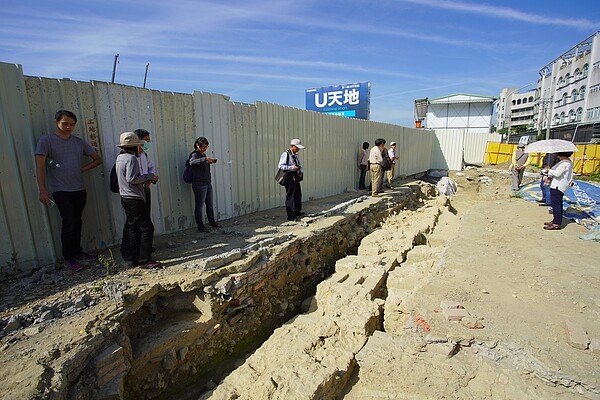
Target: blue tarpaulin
580 203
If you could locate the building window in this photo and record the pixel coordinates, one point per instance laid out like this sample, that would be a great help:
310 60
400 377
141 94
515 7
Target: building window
593 113
567 79
556 119
514 102
561 82
571 116
563 118
574 95
577 74
530 99
586 68
582 93
564 99
579 114
519 101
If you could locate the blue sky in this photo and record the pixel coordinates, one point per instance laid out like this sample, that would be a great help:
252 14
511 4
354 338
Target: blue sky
272 51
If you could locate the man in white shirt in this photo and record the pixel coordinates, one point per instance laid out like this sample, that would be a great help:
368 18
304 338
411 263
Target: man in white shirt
393 157
375 159
289 161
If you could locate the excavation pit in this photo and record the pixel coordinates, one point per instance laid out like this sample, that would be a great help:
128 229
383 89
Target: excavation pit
179 334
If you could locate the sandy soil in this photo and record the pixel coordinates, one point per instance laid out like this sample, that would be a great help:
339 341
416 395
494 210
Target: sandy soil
519 285
492 256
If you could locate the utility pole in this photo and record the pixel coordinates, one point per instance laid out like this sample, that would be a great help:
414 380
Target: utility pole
115 68
146 75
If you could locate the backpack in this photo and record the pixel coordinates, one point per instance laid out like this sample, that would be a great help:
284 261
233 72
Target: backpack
114 181
188 177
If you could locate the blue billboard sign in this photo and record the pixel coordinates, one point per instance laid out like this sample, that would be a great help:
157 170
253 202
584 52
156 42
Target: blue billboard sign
351 100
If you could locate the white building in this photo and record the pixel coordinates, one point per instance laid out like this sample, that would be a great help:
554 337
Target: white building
515 109
473 113
569 93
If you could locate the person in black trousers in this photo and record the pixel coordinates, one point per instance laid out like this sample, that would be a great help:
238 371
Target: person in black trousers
201 183
289 161
133 200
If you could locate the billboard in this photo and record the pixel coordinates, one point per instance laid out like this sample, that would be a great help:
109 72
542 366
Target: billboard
351 100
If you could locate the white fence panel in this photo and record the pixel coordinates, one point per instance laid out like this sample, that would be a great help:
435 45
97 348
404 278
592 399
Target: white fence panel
448 154
246 139
476 144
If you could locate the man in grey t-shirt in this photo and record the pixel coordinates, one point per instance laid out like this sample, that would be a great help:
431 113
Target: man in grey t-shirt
59 169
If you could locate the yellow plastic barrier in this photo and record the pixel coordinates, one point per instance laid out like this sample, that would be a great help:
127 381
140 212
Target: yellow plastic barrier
585 160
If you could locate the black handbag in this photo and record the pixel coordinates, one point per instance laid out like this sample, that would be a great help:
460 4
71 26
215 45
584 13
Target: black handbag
282 177
386 165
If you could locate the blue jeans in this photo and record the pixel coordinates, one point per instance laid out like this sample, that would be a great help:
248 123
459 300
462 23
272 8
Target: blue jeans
361 179
545 189
203 196
556 198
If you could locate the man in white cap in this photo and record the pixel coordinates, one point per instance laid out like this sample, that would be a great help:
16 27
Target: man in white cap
519 161
133 200
289 161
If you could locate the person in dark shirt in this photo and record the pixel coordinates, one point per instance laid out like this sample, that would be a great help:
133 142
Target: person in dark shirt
201 183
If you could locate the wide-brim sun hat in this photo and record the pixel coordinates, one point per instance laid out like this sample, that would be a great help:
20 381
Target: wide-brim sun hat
129 139
297 143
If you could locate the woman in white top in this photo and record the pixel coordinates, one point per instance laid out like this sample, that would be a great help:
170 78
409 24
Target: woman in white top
560 177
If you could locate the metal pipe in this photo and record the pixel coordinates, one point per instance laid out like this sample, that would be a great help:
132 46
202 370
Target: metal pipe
115 68
146 74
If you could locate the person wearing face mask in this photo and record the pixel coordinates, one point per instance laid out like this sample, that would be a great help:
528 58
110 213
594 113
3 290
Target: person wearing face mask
146 167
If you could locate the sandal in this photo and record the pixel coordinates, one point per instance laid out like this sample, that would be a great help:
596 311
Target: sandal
552 227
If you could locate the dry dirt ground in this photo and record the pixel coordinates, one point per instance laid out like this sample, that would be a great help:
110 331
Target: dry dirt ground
519 284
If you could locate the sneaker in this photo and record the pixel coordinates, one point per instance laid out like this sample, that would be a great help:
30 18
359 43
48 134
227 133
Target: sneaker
215 225
300 214
73 265
85 257
150 264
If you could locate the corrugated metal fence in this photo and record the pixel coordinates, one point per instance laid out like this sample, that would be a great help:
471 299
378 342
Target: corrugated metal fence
246 139
455 147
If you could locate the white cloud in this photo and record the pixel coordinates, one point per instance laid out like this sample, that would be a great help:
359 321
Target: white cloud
507 13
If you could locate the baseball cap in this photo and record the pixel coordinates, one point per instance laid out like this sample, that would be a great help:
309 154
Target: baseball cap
393 143
297 143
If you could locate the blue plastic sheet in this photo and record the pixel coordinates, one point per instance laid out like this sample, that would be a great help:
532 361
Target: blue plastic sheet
582 201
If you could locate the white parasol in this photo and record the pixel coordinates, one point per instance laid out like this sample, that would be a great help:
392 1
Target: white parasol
550 146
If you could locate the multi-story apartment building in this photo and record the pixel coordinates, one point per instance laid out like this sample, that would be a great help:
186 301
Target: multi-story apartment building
568 94
514 108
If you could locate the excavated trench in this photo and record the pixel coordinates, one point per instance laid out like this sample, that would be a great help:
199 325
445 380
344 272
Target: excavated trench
179 341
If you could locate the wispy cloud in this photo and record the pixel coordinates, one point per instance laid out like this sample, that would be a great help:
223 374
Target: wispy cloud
507 13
